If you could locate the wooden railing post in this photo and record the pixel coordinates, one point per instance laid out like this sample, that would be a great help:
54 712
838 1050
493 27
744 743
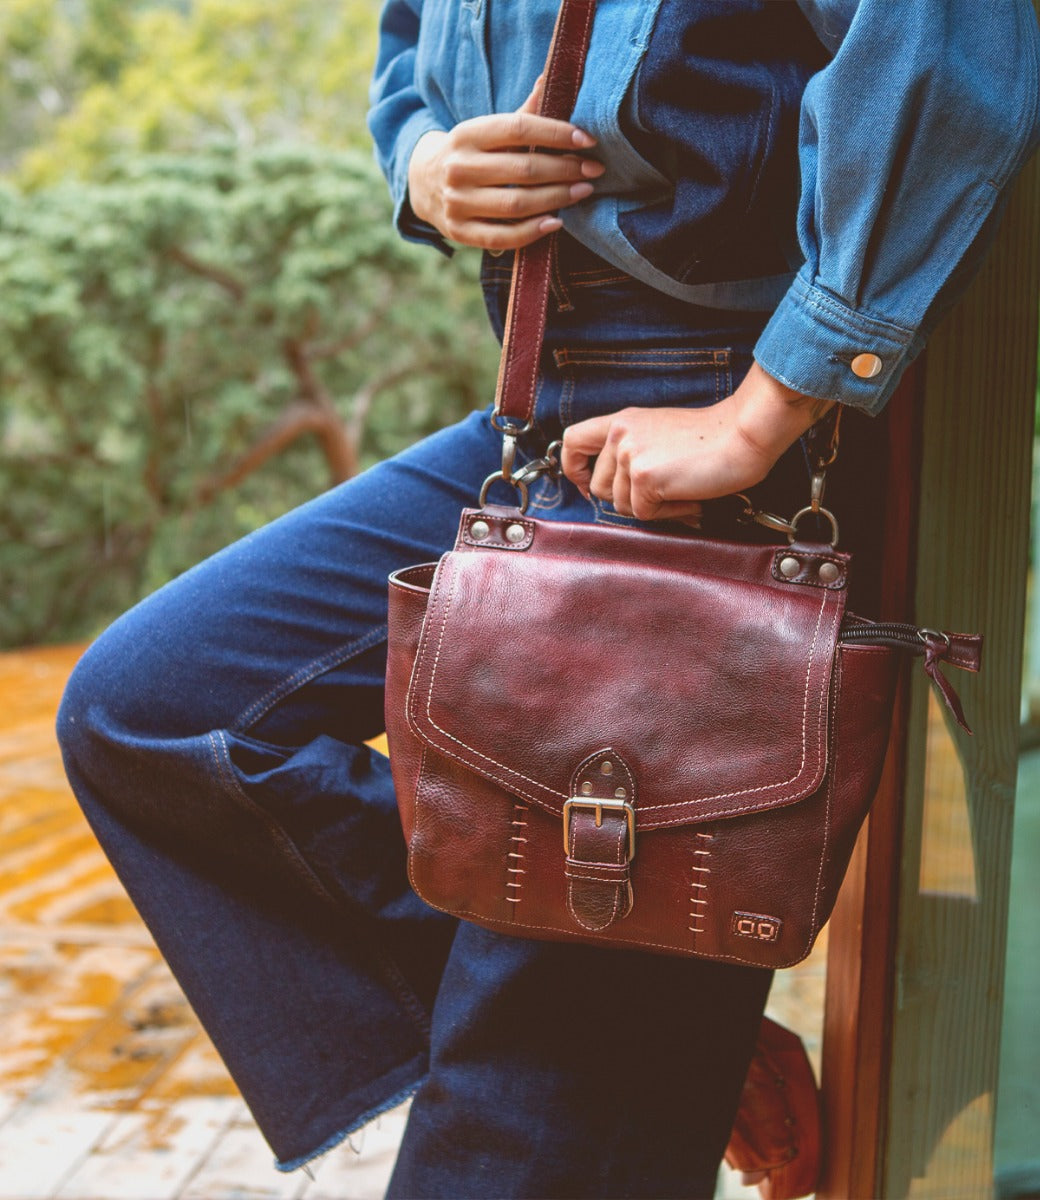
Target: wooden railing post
916 959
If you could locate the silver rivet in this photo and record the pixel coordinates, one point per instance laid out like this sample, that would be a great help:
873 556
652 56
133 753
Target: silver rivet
790 567
515 533
621 793
866 366
607 767
586 788
829 572
479 530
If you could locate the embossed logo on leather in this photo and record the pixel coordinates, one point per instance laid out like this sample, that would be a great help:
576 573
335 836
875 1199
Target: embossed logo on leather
757 926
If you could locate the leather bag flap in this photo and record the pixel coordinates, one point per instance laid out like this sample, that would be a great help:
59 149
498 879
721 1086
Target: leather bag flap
698 662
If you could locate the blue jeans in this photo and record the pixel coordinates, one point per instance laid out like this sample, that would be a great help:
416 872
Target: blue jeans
214 736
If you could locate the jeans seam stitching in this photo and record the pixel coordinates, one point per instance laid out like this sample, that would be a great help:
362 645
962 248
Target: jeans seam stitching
222 759
663 357
405 995
567 401
305 674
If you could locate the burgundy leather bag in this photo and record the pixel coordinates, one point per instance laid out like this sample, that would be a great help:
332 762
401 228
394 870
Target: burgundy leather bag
630 738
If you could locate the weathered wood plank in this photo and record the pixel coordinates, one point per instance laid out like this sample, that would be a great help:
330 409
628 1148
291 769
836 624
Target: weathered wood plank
912 1028
108 1089
152 1152
859 967
240 1168
361 1170
972 559
42 1142
58 999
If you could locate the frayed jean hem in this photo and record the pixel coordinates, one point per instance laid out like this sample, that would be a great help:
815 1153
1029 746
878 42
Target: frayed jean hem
294 1164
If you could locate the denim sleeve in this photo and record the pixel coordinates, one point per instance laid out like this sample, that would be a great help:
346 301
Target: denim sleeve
398 116
907 143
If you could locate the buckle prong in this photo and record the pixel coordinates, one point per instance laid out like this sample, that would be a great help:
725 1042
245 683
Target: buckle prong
598 805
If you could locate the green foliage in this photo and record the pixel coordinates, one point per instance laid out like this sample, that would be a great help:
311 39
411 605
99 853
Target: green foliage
139 77
34 56
205 315
192 347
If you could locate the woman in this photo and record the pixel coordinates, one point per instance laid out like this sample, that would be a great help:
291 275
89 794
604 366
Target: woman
214 734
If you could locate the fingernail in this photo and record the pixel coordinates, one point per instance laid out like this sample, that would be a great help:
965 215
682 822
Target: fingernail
580 190
550 225
591 168
580 138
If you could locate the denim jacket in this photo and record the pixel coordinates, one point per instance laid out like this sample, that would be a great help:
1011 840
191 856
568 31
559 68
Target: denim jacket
906 120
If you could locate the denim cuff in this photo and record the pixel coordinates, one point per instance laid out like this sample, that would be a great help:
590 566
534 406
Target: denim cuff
407 223
820 347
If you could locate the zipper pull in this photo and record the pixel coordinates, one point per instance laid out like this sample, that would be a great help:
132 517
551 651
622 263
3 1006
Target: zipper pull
963 650
939 647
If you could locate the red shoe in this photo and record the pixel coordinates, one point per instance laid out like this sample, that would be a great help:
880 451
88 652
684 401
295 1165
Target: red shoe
777 1135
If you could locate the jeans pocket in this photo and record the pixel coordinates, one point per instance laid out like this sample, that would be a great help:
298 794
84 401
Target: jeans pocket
596 380
599 379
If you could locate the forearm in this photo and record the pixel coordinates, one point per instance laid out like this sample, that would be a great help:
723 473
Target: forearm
770 417
656 463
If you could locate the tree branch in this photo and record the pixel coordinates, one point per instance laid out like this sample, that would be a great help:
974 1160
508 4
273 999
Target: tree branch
363 398
312 389
297 420
313 412
208 271
353 339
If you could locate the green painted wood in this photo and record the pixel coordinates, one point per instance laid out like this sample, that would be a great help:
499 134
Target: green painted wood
973 533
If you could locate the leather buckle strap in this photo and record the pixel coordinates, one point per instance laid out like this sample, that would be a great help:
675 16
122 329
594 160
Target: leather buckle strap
599 840
597 805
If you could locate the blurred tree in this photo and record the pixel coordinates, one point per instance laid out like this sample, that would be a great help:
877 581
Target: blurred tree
133 76
164 334
51 51
35 57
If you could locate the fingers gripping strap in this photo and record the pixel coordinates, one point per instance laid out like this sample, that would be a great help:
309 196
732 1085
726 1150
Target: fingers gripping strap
529 291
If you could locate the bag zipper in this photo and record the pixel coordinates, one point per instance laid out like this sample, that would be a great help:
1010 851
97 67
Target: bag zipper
857 631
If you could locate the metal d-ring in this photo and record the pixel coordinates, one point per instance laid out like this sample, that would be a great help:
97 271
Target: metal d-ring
808 511
529 472
514 481
505 425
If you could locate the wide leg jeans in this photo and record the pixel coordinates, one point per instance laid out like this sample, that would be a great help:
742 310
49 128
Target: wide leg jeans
215 737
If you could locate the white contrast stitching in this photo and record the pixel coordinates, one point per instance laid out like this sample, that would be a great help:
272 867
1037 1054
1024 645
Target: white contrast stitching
622 831
518 842
657 807
827 808
699 902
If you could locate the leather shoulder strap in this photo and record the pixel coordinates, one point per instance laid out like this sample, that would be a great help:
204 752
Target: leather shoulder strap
529 291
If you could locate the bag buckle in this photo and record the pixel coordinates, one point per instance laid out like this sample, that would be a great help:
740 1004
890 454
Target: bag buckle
598 805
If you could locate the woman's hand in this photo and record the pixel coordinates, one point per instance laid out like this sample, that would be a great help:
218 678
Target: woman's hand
656 463
481 185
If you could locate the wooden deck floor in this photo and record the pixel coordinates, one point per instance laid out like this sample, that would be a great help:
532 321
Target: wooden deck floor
109 1089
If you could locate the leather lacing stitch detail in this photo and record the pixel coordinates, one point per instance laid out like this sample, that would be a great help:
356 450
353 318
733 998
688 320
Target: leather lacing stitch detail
515 855
699 883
